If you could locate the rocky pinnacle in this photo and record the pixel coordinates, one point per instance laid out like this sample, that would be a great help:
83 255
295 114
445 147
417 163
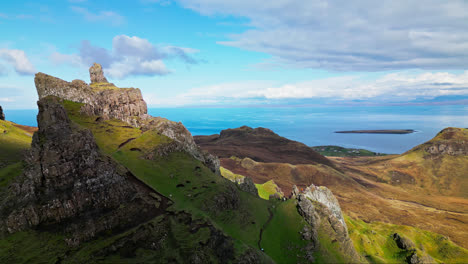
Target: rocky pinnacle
96 74
2 115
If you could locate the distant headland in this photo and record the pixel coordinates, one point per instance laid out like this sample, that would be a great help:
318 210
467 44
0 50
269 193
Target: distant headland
380 131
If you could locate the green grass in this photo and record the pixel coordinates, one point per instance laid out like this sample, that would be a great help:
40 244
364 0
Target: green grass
374 240
282 239
185 180
13 143
337 151
266 189
231 175
8 173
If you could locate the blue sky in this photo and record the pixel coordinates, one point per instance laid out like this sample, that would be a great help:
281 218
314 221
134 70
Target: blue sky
207 52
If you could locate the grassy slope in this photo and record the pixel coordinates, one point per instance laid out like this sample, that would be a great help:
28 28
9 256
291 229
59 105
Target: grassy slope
266 189
198 186
281 238
13 141
374 240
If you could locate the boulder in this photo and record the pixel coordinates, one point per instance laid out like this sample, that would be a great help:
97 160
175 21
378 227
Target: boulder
403 242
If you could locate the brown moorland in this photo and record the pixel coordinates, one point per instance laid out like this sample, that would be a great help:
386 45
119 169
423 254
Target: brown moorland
425 187
260 144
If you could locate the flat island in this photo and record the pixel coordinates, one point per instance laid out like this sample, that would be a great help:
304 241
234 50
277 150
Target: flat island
380 131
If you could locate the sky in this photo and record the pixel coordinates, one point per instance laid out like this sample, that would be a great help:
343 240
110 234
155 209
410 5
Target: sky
239 52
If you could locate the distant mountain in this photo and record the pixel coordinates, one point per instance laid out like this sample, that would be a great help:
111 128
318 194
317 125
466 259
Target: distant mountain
259 144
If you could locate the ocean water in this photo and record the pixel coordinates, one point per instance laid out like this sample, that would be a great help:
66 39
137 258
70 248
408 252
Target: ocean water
315 126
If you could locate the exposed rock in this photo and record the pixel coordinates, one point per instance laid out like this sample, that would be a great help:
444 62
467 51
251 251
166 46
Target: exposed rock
70 187
259 144
415 258
248 186
403 242
320 208
126 104
324 196
96 74
2 115
450 141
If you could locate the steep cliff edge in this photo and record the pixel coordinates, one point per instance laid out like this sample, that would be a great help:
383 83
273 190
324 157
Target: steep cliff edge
69 186
106 101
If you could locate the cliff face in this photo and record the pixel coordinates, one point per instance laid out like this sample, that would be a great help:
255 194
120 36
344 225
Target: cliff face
70 187
100 99
321 210
105 100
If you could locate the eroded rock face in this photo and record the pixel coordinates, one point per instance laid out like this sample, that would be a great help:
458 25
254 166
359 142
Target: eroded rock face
320 209
2 115
97 74
70 187
248 186
126 104
449 148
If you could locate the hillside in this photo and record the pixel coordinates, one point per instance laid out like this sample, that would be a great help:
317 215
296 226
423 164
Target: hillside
104 182
259 144
366 191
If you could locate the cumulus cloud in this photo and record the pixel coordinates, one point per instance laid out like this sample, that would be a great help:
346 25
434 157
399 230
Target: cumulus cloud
111 17
19 61
401 86
128 56
350 35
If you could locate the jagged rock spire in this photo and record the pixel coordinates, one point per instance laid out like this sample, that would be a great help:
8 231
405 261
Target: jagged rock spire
96 74
2 115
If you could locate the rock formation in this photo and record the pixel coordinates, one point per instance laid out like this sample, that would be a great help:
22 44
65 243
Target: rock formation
321 210
69 186
2 115
248 186
96 74
106 101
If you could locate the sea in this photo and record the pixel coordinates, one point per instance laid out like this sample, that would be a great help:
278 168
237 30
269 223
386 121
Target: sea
315 126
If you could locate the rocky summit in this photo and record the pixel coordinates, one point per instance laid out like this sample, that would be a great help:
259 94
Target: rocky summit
106 101
97 74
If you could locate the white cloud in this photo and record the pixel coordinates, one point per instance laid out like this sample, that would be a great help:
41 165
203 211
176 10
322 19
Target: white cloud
350 35
111 17
19 61
128 56
402 86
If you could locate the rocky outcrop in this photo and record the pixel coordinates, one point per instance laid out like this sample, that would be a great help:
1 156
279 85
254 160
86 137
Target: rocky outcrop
106 101
321 211
70 187
2 115
248 186
96 74
450 141
259 144
403 242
